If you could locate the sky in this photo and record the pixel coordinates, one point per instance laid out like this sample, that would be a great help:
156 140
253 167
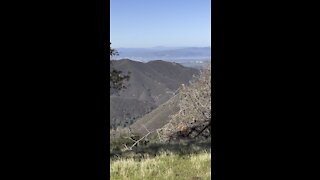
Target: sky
151 23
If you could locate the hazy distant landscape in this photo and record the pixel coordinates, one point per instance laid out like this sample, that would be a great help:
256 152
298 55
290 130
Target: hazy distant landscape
163 53
187 56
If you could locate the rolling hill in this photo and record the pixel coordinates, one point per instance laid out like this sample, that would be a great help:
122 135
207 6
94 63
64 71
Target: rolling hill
151 84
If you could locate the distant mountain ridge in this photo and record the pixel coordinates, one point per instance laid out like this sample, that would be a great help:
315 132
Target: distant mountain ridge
165 53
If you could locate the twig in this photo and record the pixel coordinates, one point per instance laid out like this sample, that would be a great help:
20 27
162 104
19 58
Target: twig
137 141
159 135
146 128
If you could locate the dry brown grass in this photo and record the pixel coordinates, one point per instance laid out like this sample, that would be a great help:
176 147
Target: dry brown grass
166 166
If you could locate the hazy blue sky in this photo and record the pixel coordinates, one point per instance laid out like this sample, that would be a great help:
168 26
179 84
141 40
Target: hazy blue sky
149 23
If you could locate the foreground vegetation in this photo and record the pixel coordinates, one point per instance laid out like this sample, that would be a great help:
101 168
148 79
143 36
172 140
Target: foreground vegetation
166 165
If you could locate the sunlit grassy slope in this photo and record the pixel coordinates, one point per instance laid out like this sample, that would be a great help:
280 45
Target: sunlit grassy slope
164 166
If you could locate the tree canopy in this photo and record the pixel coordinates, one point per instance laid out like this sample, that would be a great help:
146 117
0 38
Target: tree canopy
116 77
113 52
194 117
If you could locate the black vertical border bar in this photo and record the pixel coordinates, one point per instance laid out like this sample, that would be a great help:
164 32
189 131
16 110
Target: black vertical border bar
106 19
217 61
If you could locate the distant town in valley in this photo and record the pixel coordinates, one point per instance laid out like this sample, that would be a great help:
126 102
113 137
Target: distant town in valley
188 56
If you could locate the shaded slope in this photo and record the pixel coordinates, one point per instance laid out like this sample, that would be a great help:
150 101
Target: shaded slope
151 84
158 117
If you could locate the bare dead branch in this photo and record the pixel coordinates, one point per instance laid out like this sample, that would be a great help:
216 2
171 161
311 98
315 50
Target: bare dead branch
146 128
195 110
139 140
136 141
